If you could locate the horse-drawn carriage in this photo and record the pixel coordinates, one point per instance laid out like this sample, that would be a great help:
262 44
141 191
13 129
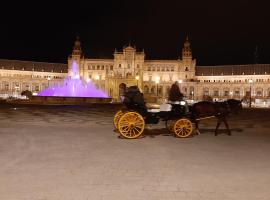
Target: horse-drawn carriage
130 122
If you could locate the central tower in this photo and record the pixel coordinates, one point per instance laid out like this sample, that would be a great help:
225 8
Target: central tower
128 63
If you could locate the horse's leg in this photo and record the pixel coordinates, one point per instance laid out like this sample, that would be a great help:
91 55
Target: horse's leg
218 124
197 127
227 126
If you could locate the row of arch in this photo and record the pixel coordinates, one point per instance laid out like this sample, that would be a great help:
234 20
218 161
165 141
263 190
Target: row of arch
216 92
164 89
257 91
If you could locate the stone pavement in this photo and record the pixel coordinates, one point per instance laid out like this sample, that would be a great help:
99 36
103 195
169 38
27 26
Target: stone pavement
73 154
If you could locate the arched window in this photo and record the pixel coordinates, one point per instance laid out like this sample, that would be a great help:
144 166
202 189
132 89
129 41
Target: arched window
226 93
268 92
153 89
168 90
205 92
216 92
259 93
160 88
146 89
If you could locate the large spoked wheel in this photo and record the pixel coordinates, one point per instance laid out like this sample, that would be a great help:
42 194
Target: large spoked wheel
182 128
131 125
169 125
116 118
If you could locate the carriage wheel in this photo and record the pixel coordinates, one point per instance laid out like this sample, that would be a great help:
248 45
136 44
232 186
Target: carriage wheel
116 118
169 125
131 125
182 128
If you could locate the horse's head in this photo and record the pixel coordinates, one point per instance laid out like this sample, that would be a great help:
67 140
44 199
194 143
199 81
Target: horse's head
235 105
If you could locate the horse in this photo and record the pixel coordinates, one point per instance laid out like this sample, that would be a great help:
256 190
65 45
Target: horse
220 110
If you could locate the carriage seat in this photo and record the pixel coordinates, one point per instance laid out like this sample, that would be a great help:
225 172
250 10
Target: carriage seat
163 108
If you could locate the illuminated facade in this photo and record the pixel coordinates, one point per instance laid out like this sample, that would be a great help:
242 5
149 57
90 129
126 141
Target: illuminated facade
154 77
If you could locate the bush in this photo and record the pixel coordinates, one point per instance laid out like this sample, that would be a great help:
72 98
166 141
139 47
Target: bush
207 98
27 93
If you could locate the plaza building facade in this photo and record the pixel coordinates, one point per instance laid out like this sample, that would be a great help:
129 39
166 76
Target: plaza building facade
154 77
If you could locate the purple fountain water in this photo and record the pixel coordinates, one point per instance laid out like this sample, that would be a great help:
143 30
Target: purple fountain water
74 86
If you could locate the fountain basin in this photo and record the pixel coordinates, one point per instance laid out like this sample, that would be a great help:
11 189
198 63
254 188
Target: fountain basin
59 100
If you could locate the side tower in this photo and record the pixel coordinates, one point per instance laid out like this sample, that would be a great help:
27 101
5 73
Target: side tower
77 57
188 64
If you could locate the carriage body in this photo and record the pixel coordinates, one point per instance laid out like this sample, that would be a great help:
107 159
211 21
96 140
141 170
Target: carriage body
130 122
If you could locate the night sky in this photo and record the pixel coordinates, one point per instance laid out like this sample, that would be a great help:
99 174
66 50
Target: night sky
220 32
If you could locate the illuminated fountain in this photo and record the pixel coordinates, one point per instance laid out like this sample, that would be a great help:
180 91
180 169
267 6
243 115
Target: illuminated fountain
72 91
74 86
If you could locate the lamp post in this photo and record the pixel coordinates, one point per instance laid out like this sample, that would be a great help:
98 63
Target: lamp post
250 82
137 78
16 90
97 77
49 78
157 82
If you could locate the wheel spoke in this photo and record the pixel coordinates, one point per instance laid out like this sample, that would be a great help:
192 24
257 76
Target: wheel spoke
135 128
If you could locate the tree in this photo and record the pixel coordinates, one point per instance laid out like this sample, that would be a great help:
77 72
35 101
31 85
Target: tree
26 93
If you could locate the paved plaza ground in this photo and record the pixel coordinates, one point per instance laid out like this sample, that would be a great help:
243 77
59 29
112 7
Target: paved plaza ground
67 153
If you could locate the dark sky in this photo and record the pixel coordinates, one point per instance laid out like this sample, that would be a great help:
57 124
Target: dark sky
220 32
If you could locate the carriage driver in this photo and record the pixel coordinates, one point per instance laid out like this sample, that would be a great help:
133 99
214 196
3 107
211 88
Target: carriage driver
175 95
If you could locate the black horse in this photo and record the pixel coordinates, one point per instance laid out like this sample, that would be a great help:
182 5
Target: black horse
220 110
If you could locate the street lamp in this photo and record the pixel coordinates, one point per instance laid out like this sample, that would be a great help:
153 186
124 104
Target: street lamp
49 78
137 78
231 93
250 82
180 81
88 80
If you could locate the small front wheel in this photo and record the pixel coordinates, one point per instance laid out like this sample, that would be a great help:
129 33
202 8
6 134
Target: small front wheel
169 125
116 118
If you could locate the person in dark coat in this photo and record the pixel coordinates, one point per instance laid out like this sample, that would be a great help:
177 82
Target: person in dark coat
175 93
175 96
